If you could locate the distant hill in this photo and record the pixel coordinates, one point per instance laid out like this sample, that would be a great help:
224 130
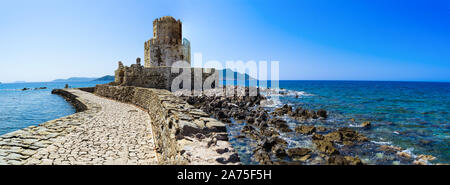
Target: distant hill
105 78
17 82
75 79
225 71
111 78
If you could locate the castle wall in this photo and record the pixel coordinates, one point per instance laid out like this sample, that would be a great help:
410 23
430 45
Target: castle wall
163 54
159 77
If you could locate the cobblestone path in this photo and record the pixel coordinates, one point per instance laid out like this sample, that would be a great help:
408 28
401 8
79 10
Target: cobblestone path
109 132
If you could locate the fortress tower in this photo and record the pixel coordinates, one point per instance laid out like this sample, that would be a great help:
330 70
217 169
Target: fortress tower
167 45
165 48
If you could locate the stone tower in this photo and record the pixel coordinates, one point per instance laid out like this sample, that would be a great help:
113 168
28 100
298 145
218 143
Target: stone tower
167 45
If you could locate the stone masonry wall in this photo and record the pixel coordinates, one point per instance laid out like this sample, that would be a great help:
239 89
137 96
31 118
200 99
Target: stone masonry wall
183 134
72 99
157 77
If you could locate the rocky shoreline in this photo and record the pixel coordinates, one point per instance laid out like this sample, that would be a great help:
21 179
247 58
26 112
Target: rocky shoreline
264 127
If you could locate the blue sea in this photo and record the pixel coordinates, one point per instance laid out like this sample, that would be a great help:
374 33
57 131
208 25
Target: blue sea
20 109
412 115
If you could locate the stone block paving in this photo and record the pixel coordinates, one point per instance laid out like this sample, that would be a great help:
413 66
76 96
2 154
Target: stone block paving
108 133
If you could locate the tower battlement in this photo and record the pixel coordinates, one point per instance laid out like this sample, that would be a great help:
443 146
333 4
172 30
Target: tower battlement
167 30
167 45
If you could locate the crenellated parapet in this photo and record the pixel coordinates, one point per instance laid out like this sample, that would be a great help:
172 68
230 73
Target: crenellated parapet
167 30
167 46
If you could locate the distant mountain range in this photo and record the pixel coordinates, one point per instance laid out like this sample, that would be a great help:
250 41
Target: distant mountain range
85 79
75 79
105 78
225 77
111 78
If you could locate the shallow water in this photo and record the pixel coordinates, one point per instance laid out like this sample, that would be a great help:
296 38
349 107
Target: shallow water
20 109
412 115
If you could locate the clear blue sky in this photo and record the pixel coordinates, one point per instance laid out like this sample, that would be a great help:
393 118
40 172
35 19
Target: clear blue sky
313 40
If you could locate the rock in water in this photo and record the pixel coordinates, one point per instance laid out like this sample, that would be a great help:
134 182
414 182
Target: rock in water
346 136
426 157
305 129
343 160
322 113
286 109
366 124
326 147
296 152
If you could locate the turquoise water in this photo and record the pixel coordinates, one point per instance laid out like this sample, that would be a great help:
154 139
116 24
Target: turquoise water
20 109
412 115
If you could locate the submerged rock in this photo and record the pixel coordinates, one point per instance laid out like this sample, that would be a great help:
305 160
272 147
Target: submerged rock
304 158
366 124
343 160
346 136
388 148
322 113
424 142
279 151
321 129
426 157
326 147
296 152
250 131
404 155
269 132
420 162
305 129
269 143
262 156
286 109
301 114
280 124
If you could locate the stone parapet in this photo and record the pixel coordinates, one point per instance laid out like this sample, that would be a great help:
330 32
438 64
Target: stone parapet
161 77
183 134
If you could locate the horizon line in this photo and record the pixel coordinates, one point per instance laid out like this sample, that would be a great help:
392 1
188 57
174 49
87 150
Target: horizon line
428 81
